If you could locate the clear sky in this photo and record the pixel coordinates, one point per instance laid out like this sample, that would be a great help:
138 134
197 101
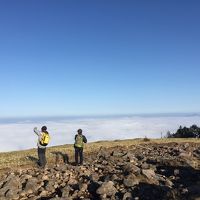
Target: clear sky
99 57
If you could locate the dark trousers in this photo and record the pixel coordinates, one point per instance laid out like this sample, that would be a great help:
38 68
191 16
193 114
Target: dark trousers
42 157
78 154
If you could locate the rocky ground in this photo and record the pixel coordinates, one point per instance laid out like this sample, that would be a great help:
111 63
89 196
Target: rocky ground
140 172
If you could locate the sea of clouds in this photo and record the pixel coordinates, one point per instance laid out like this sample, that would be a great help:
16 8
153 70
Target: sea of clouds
17 134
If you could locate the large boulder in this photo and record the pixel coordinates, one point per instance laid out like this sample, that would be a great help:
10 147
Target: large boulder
107 188
11 187
130 180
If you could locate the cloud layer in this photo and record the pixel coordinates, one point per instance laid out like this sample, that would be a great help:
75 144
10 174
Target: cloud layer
19 135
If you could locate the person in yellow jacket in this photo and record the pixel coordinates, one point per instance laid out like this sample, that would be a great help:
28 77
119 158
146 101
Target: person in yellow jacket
80 139
43 140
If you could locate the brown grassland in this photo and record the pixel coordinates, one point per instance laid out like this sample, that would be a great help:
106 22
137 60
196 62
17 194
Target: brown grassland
28 158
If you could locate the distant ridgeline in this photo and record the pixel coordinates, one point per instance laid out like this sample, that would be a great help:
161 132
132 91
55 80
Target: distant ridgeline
184 132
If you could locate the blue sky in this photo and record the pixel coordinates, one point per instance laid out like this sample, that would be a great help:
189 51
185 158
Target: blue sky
99 57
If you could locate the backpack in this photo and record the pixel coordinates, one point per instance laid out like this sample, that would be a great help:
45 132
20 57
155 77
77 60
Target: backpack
44 141
79 141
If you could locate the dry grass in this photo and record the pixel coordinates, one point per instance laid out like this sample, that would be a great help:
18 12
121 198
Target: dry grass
26 158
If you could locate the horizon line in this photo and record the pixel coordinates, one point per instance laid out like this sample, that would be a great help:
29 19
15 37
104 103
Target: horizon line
103 115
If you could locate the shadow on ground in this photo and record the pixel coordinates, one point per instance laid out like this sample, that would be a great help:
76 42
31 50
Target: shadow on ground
61 157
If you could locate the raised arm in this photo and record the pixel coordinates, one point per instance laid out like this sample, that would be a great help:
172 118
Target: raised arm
36 131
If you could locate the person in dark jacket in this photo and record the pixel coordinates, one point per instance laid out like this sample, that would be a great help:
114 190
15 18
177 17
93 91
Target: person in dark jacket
80 139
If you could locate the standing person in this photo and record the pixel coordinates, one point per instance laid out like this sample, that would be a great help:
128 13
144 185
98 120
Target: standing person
43 140
80 139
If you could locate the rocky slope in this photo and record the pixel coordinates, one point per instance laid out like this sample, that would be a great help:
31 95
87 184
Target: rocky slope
139 172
